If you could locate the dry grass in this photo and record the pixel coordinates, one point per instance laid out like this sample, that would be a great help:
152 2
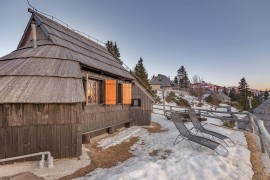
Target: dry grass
256 162
155 128
105 158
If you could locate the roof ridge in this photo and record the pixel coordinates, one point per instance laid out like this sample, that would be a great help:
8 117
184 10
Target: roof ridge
38 13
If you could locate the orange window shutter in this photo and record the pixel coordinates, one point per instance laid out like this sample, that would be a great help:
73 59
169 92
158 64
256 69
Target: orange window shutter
126 93
110 90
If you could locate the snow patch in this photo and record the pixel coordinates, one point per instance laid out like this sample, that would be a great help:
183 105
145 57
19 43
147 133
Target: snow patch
62 167
122 136
157 158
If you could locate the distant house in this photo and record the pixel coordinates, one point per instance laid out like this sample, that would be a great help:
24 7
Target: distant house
59 88
223 97
218 94
161 81
263 112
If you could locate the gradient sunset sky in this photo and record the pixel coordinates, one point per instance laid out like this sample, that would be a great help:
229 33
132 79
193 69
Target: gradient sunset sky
219 40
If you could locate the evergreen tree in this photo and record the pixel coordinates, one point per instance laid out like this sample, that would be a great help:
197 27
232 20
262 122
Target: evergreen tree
265 94
244 92
141 73
224 90
114 50
232 94
175 80
182 76
256 101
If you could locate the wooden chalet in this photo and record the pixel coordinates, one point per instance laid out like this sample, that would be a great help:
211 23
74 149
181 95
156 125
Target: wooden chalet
161 81
59 88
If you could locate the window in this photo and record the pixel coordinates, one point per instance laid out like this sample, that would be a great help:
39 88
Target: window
119 93
93 90
136 102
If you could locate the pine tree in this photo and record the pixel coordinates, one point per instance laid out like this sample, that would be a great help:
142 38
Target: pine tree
175 80
182 76
224 90
244 92
232 94
265 95
114 50
141 73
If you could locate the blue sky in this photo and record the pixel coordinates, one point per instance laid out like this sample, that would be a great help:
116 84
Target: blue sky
219 40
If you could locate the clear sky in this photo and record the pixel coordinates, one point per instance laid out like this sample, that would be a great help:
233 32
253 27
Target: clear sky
219 40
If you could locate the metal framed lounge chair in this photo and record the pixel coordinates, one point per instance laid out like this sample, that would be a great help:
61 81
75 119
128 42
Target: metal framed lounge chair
188 136
200 128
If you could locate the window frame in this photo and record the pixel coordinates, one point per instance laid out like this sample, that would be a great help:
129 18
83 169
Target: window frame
140 102
101 90
119 92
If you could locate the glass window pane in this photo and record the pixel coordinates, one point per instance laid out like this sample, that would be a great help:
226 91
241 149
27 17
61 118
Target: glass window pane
93 89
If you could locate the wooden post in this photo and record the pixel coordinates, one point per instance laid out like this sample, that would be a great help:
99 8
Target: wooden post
128 125
111 130
86 90
34 33
163 96
86 138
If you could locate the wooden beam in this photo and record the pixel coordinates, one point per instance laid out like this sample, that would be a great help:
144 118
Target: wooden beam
86 90
128 125
86 138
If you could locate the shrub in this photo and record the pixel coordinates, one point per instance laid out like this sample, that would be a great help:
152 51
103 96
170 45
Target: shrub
170 97
236 105
157 100
229 124
181 102
197 92
212 100
200 104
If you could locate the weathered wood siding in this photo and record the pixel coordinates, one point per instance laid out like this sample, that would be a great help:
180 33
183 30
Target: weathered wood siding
100 117
31 128
141 115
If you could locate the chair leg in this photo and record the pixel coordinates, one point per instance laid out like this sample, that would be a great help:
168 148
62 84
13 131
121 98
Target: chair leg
177 138
191 145
230 140
222 154
225 143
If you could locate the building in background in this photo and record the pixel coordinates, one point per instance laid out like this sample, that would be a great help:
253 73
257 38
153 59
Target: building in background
161 81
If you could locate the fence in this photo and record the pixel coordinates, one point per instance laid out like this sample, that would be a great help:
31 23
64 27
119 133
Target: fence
256 124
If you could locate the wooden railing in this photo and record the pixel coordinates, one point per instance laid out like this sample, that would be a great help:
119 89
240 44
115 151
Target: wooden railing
257 125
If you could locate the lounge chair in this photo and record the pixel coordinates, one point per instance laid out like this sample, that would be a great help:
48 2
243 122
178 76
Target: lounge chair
188 136
200 128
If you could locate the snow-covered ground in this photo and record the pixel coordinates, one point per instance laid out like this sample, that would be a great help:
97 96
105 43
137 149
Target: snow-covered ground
61 167
157 158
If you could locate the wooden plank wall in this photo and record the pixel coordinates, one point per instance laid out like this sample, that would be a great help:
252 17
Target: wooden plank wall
31 128
101 117
141 115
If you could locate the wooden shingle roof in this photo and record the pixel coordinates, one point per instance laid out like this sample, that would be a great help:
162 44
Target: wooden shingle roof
51 73
161 80
263 110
